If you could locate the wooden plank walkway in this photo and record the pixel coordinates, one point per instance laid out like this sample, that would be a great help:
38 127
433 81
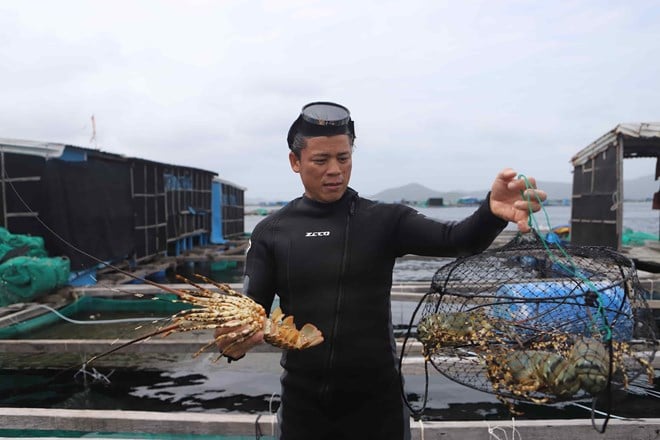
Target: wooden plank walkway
241 424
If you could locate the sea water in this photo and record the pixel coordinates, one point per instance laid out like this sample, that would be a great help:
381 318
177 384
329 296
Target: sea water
637 216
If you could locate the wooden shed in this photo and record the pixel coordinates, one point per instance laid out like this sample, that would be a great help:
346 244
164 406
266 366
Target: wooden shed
597 201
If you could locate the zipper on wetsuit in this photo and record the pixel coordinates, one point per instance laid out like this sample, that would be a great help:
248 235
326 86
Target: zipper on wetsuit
340 293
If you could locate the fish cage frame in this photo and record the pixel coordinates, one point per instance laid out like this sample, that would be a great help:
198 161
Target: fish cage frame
164 209
229 209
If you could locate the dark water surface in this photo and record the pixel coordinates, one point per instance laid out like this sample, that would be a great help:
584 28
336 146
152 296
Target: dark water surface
202 385
222 390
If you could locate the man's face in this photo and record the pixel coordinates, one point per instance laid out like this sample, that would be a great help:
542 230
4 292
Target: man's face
325 167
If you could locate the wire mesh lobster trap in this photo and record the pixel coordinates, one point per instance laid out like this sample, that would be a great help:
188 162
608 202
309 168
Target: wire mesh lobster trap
536 321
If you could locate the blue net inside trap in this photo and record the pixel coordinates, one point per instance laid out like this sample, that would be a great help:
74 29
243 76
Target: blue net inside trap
538 321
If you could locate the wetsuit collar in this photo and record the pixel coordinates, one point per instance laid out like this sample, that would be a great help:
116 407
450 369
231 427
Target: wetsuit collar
349 194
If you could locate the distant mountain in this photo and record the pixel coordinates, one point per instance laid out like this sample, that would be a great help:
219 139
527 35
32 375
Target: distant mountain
634 189
416 192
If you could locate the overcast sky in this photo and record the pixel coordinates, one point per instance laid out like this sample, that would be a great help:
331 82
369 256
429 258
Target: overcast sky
443 93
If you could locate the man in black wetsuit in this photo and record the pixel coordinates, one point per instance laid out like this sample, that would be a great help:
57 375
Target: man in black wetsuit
329 256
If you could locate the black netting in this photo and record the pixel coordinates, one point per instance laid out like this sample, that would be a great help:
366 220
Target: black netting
538 322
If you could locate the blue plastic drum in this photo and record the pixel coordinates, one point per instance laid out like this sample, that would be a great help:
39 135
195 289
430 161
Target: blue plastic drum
566 306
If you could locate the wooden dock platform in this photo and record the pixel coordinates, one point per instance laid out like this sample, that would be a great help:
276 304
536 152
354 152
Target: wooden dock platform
205 424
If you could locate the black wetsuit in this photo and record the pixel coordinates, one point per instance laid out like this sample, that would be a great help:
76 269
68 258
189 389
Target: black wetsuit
331 265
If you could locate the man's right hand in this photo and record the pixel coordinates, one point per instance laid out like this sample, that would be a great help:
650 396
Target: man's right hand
227 339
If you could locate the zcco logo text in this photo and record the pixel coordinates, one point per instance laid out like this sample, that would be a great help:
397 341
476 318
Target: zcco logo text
318 234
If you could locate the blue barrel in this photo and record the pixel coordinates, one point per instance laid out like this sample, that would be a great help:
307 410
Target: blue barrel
566 306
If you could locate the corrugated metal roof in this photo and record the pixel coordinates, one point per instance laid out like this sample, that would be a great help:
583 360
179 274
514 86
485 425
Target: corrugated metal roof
53 150
33 148
640 131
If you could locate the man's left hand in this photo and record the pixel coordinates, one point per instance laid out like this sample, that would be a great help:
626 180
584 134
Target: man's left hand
512 200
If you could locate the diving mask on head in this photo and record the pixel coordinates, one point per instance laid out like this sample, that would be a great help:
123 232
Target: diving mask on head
322 119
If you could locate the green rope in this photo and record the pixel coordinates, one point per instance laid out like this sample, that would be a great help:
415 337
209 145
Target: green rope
605 329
